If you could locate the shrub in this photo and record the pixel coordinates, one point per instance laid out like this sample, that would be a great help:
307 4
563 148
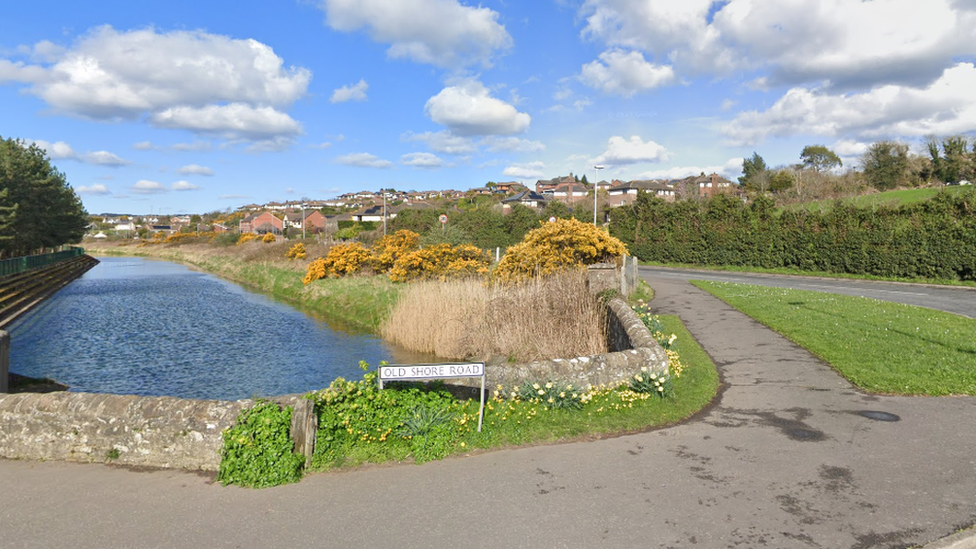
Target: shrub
341 260
268 238
441 261
558 245
257 450
391 247
247 237
297 251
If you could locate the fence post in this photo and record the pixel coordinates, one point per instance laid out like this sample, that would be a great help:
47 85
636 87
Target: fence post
4 361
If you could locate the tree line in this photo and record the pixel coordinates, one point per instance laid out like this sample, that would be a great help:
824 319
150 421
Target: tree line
38 209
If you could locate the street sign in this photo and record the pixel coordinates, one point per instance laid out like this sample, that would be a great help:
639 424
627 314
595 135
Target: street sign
443 219
421 372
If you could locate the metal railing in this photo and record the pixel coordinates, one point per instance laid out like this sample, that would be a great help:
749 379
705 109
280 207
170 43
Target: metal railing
16 265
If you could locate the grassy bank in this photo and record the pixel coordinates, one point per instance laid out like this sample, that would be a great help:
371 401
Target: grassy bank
879 346
357 304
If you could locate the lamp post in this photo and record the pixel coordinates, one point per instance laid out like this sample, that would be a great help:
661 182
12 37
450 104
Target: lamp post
303 221
596 187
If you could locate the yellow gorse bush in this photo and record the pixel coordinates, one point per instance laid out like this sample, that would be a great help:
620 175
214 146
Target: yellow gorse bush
558 245
391 247
441 261
247 237
341 260
297 252
268 238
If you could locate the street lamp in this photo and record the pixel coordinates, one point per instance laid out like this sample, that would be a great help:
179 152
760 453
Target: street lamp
596 187
303 221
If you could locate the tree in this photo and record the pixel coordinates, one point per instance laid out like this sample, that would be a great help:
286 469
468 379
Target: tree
755 174
951 161
886 165
38 209
781 180
820 158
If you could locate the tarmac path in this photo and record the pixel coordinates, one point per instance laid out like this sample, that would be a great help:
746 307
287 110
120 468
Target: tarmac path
783 459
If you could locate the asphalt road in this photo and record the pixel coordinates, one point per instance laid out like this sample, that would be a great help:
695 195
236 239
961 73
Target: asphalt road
958 300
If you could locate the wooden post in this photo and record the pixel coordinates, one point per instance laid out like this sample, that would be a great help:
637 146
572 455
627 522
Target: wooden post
304 424
4 361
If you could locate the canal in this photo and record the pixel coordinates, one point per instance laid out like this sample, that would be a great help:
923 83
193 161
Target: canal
145 327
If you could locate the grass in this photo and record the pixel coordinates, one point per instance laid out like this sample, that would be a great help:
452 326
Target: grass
611 412
879 346
536 320
887 198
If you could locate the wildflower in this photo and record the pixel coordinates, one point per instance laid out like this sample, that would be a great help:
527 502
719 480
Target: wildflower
643 368
535 385
541 392
660 389
549 385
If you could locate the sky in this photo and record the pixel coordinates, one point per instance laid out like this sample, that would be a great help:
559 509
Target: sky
174 106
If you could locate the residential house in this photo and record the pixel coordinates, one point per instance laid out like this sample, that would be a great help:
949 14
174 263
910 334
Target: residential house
372 213
544 185
531 199
265 222
626 193
569 193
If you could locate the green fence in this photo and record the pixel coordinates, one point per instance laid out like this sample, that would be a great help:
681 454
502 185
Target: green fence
16 265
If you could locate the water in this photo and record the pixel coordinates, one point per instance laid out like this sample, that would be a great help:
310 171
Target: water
143 327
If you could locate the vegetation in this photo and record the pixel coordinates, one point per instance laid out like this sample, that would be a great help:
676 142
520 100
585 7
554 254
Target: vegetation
555 246
38 209
539 319
257 450
934 239
879 346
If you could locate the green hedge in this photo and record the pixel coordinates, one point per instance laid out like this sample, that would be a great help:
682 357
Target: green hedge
932 239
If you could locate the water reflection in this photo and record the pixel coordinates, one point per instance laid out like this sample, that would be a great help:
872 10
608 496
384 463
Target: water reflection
136 326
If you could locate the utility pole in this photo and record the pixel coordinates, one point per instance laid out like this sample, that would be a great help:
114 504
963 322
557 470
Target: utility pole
595 189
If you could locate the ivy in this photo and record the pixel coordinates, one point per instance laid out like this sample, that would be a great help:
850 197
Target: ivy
257 450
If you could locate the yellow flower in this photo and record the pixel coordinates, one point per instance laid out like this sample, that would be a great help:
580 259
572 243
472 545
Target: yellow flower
541 392
660 389
535 385
549 385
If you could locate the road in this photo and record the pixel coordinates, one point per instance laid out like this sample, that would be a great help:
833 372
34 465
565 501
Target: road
958 300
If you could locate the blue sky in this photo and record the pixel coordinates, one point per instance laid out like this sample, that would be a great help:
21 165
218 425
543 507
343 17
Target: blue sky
189 107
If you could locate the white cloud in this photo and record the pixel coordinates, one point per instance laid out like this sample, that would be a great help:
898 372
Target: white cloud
850 148
58 150
625 73
192 147
355 92
444 142
945 107
468 109
143 146
97 189
631 151
421 160
144 186
112 75
849 43
195 169
103 158
324 145
731 169
184 186
444 33
530 170
233 121
512 144
363 160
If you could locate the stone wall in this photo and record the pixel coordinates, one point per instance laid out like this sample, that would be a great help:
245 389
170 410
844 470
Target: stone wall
160 432
632 347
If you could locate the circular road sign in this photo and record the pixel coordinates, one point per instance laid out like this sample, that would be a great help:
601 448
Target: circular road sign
443 218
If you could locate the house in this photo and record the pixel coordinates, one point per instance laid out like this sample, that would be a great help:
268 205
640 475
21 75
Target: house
713 184
543 185
220 228
371 213
569 192
315 222
265 222
509 187
626 193
531 199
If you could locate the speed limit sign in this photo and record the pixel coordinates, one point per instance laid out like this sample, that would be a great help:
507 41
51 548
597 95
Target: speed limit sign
443 219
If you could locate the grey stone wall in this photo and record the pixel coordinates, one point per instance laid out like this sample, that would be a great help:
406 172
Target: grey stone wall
159 432
632 347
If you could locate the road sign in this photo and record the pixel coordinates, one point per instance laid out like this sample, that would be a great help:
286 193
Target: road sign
443 219
420 372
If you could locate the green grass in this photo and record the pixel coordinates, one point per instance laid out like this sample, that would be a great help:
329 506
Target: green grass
887 198
879 346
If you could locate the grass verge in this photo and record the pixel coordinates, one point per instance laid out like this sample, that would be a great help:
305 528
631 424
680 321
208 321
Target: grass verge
879 346
360 425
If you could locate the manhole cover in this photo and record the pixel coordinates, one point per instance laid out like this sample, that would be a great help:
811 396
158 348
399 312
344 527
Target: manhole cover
878 416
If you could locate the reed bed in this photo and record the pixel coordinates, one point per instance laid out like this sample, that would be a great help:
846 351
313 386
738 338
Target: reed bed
544 318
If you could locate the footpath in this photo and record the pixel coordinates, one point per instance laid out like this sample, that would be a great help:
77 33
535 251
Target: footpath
790 455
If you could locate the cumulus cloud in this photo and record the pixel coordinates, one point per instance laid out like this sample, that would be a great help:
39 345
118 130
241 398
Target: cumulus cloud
97 190
62 151
144 186
512 144
184 186
363 160
58 150
143 146
625 73
195 169
631 151
944 107
355 92
731 169
112 75
421 160
849 43
444 33
530 170
103 158
468 109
